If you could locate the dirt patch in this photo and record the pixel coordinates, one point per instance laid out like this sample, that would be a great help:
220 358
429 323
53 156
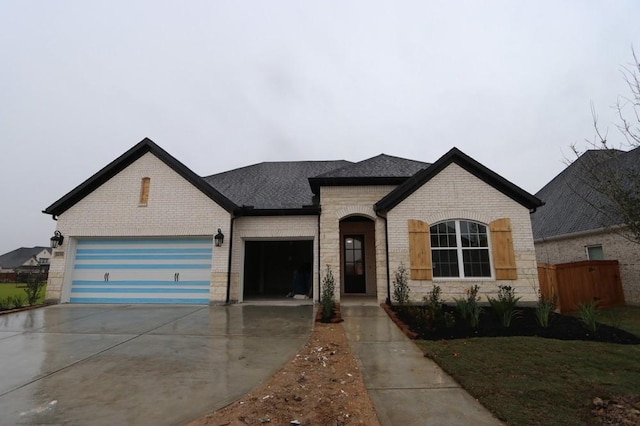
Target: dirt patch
322 385
620 410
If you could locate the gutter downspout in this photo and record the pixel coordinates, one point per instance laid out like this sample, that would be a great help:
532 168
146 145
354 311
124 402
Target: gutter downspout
319 269
386 252
229 262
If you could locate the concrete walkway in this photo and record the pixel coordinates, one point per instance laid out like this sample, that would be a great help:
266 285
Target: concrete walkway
406 388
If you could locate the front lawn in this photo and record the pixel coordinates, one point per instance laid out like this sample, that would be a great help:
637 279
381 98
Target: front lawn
533 380
13 289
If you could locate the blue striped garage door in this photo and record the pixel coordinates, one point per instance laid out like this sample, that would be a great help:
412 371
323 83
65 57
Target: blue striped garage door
149 270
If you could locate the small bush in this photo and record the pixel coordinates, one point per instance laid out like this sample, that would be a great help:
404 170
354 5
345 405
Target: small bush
4 304
588 313
462 307
16 301
505 305
35 283
326 298
433 308
401 286
473 309
449 320
543 311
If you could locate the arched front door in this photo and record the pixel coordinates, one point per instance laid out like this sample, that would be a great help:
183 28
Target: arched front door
357 256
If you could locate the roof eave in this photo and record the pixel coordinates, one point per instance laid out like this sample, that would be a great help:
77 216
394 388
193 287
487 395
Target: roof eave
514 192
123 161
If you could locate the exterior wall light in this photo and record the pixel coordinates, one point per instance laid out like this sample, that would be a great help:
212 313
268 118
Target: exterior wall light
57 239
219 238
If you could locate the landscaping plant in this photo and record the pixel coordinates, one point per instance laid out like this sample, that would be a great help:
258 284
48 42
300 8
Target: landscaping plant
473 308
326 298
35 283
505 305
16 301
543 310
401 286
433 314
588 314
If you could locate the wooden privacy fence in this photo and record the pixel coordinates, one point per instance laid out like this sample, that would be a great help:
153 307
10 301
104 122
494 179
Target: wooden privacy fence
580 282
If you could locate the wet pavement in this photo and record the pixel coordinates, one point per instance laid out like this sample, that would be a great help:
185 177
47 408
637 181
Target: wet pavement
405 387
139 364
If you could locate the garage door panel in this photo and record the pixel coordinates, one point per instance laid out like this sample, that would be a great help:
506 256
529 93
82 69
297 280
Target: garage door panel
142 271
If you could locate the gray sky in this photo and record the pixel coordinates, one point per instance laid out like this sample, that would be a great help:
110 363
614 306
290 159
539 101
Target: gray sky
224 84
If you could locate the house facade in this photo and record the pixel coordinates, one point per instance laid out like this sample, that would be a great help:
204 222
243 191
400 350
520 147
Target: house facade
24 259
143 230
575 223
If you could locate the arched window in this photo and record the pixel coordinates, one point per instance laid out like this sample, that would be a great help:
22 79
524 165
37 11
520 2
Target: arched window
460 249
144 191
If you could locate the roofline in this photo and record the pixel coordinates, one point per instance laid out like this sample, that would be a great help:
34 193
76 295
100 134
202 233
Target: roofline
578 234
304 211
317 182
125 160
454 155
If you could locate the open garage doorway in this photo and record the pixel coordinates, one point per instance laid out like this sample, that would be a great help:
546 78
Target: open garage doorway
272 268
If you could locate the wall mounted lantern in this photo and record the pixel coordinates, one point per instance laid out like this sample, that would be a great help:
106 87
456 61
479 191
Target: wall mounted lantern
57 239
219 238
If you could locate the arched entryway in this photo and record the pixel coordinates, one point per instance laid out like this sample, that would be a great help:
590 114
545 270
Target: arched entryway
357 256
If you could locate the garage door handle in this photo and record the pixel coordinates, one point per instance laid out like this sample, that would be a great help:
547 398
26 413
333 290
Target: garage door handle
176 277
106 276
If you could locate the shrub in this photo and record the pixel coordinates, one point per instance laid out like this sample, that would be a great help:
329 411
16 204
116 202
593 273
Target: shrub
449 320
401 286
588 313
16 301
505 305
4 303
326 298
543 310
433 308
35 283
468 308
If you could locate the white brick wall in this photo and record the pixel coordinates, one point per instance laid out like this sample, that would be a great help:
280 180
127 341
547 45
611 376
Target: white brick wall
614 246
175 208
269 228
456 194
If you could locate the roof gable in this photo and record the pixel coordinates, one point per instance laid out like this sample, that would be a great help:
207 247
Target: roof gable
126 159
456 156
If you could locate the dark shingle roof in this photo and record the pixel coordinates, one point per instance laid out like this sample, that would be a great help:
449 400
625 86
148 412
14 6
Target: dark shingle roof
379 166
17 257
572 204
272 185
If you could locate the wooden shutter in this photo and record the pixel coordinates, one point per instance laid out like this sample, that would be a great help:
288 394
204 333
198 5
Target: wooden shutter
420 250
144 191
504 259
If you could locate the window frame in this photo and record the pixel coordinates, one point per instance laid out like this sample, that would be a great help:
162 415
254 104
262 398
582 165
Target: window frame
591 246
145 189
460 252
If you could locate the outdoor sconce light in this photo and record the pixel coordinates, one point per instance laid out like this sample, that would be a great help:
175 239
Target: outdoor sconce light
57 239
219 238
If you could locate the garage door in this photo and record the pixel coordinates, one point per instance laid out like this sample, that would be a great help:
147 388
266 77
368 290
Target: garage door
146 270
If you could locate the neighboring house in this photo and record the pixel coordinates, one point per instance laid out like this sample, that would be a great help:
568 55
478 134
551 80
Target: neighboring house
25 259
572 225
143 230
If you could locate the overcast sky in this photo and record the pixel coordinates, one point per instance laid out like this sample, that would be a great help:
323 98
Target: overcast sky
224 84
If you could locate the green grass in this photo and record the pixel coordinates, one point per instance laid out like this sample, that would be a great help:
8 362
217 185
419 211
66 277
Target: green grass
11 289
535 381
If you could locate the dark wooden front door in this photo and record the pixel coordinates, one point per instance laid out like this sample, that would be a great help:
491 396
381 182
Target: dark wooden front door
354 276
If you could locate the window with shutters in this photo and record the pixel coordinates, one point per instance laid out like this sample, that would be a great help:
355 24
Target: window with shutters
144 191
460 249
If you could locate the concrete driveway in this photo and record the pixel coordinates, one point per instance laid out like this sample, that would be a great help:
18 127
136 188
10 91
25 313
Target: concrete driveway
139 364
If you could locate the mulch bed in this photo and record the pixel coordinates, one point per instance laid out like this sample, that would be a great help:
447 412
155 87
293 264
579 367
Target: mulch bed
563 327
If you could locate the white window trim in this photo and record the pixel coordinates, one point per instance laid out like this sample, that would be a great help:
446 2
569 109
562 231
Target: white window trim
459 249
586 250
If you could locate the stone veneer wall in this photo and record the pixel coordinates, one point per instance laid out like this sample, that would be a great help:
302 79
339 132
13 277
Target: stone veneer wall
614 247
175 208
456 194
339 202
